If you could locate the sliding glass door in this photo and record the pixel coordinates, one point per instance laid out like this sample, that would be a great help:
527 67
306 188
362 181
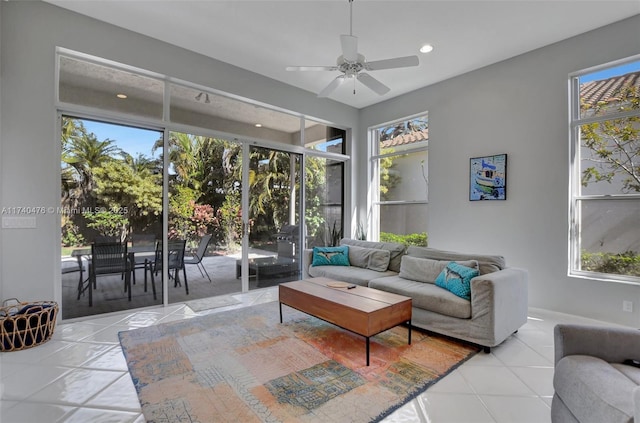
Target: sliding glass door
205 195
274 202
111 192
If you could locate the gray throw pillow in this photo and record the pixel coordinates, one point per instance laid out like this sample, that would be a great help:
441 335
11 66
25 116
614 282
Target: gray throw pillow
369 258
427 270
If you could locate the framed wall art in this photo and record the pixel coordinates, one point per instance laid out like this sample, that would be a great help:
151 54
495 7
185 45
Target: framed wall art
488 178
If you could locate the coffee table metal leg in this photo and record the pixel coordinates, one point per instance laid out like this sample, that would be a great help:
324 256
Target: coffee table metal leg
280 304
367 350
409 323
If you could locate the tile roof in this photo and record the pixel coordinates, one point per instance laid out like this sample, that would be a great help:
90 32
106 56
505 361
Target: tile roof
404 139
606 90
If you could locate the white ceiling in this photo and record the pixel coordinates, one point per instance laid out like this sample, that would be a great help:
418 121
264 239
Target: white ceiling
266 36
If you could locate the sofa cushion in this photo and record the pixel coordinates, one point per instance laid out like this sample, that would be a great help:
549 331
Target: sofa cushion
456 278
351 274
487 263
396 250
425 296
334 256
369 258
594 390
631 372
426 270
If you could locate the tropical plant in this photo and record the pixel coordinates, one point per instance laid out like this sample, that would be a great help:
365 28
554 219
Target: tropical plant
614 144
361 231
108 223
388 177
335 234
614 157
82 153
626 263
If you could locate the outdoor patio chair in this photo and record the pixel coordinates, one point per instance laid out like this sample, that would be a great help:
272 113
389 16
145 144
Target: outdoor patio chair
175 261
109 258
105 239
142 242
198 255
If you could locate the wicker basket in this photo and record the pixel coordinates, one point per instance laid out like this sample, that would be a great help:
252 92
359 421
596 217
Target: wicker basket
26 324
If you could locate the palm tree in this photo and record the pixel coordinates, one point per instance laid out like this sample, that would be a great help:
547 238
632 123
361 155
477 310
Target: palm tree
81 153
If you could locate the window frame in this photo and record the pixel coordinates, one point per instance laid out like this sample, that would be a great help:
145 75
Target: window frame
166 125
576 121
375 203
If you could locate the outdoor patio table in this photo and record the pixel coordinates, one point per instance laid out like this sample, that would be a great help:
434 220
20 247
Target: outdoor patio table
79 253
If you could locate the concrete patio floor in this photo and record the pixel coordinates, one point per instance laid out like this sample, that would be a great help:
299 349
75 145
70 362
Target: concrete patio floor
109 296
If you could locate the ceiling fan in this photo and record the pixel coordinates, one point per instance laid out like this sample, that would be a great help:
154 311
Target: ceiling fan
351 64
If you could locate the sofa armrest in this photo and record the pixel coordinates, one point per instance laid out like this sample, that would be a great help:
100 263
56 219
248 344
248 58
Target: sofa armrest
499 302
612 344
307 259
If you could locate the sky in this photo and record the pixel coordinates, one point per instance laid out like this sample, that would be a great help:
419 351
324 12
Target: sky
608 73
129 139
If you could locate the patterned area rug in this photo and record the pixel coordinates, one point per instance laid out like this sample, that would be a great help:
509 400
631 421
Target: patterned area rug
244 366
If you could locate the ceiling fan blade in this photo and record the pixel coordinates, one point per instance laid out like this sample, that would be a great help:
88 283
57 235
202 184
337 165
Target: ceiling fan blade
373 83
312 68
349 47
332 86
397 62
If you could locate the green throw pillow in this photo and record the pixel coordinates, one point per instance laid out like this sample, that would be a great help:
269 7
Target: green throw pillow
456 278
331 256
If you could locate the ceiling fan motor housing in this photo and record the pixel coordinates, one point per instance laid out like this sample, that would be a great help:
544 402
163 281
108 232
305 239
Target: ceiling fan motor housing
351 68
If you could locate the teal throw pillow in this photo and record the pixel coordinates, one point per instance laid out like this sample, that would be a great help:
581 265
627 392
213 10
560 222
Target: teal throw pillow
331 256
456 278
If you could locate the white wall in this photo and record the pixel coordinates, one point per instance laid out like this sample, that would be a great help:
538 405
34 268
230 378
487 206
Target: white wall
518 107
30 161
1 77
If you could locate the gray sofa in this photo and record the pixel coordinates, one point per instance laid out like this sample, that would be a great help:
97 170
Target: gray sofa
499 295
591 381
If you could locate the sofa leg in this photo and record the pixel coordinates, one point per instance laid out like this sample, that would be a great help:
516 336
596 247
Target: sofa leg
486 350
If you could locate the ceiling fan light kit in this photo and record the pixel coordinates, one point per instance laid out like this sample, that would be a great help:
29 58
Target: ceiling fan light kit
352 64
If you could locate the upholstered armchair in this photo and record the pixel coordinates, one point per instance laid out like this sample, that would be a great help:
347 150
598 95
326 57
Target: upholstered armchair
596 377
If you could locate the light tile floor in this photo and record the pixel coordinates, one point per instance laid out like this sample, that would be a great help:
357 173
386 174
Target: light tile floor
80 375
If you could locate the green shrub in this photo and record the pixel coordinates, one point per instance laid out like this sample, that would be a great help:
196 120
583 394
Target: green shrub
71 236
627 263
417 239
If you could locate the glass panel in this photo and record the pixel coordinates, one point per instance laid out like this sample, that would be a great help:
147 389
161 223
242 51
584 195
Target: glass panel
324 187
207 110
406 223
102 87
111 179
404 177
610 236
205 211
321 137
609 156
274 216
403 135
609 91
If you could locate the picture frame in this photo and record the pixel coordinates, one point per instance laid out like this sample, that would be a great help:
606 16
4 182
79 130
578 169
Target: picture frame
488 178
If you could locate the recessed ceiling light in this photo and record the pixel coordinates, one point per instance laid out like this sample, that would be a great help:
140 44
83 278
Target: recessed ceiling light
426 48
121 95
258 125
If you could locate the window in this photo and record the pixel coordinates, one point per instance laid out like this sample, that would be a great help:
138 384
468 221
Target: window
229 184
399 163
605 173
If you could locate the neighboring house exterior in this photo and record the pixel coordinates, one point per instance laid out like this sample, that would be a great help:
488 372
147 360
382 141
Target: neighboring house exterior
607 226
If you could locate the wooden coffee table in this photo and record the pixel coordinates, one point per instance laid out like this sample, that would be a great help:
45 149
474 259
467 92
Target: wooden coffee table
361 310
